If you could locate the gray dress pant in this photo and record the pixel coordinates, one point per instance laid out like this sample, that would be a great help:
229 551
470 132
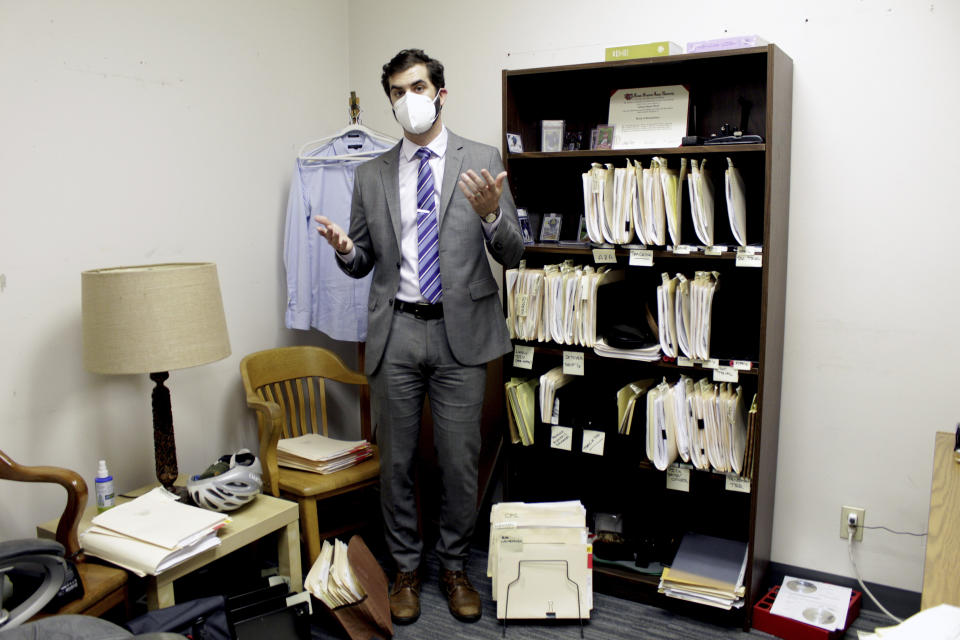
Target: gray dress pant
417 361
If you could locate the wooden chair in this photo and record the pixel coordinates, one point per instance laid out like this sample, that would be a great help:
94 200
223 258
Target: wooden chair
287 389
104 587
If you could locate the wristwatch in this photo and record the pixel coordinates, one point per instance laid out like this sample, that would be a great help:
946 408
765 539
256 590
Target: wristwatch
491 217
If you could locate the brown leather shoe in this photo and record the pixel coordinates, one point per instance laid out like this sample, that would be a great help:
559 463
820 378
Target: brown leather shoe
405 597
462 598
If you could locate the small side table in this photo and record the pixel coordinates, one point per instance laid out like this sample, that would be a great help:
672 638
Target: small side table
261 517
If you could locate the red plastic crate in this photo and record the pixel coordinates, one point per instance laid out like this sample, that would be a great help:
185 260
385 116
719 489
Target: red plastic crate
790 629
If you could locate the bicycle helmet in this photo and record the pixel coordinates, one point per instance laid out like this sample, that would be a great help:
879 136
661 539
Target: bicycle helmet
228 484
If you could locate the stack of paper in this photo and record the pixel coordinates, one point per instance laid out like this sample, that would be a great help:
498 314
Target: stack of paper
700 188
684 314
521 400
672 184
753 428
627 399
736 203
152 533
320 454
598 203
350 582
707 570
331 578
549 383
525 303
645 354
557 303
702 422
539 560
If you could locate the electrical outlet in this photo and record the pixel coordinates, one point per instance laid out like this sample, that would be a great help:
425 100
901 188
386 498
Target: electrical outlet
859 514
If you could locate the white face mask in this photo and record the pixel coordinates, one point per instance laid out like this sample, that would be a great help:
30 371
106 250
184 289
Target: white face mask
415 112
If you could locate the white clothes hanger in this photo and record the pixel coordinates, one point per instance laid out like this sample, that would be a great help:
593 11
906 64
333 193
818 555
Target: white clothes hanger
355 127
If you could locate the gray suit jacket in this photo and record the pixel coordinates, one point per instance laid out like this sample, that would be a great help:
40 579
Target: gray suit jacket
476 329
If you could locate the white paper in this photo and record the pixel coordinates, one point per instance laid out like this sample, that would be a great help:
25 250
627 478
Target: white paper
818 603
649 117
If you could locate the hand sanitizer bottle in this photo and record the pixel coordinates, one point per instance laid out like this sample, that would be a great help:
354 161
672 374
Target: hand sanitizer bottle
104 485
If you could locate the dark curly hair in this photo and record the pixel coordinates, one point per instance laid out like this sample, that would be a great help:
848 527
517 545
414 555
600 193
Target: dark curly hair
409 58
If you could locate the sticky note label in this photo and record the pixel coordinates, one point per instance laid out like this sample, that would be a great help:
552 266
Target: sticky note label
738 484
604 256
593 442
726 374
522 357
678 479
561 438
641 258
573 363
749 260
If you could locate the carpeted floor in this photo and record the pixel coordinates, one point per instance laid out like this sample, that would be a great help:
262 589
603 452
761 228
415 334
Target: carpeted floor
611 619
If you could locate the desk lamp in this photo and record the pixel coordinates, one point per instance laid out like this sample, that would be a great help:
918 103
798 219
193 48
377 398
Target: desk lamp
153 319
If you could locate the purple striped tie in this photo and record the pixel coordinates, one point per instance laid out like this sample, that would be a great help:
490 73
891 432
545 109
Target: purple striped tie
427 230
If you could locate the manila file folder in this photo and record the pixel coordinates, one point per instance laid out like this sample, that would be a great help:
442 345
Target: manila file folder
370 617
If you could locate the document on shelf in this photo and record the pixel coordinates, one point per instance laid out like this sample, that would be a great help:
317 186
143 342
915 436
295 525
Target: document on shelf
661 427
736 203
667 314
700 189
649 117
672 184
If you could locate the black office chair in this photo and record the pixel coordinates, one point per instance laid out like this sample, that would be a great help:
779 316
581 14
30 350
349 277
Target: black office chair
31 571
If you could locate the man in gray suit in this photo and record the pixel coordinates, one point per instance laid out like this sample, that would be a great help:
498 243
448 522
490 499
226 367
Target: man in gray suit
435 317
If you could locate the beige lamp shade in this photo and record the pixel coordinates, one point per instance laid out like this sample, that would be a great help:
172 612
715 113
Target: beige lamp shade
152 318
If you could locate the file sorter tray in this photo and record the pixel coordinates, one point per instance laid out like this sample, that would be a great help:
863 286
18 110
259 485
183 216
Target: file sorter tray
790 629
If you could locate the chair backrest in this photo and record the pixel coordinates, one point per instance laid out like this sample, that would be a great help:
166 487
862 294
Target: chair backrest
295 379
76 495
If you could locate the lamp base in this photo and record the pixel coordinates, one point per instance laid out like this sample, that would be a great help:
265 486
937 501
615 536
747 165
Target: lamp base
164 445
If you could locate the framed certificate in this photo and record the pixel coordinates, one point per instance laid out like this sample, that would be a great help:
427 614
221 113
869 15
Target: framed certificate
649 117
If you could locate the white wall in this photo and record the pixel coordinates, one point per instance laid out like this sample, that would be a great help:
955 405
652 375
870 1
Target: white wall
136 132
870 338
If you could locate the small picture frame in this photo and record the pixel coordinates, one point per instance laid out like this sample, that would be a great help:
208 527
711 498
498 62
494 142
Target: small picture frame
525 230
514 143
582 234
604 137
551 135
550 231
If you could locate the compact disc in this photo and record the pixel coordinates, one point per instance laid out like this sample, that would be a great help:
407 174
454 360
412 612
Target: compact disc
801 586
819 615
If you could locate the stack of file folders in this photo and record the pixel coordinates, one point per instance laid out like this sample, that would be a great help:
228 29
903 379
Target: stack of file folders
320 454
624 204
521 415
707 570
703 423
349 581
540 560
557 303
684 311
152 533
